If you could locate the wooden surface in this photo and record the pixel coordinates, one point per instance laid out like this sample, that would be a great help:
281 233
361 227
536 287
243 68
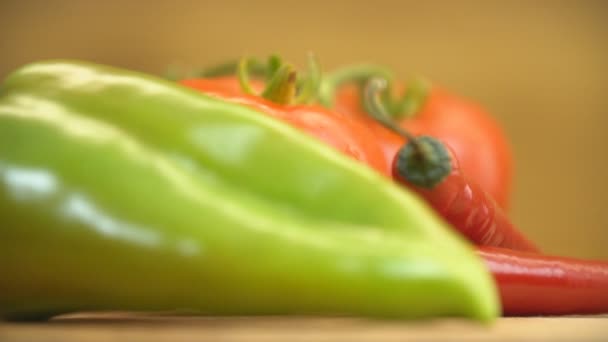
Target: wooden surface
132 327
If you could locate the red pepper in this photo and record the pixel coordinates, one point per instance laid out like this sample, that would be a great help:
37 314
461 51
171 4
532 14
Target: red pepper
460 201
533 284
471 210
529 283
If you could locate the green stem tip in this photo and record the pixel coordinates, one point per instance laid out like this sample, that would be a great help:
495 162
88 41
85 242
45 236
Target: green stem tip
410 103
282 84
357 73
412 100
423 161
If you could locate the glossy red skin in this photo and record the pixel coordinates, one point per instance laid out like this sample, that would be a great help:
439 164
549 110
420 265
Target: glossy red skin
472 211
532 284
346 135
475 137
529 283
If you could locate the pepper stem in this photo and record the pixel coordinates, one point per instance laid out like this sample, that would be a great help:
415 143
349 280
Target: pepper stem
243 75
374 106
423 161
413 99
310 87
359 73
282 85
408 105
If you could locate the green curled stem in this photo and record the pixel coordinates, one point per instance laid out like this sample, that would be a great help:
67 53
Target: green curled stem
374 106
310 86
413 100
359 73
243 76
255 68
423 161
273 65
227 68
282 86
408 105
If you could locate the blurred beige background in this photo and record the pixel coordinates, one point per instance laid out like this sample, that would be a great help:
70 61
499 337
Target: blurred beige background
541 67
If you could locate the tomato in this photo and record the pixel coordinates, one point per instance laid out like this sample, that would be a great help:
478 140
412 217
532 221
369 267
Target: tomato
475 137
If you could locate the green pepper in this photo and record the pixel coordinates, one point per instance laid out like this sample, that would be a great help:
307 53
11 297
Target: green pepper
122 191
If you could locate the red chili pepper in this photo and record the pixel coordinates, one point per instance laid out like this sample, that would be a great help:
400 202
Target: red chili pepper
460 201
471 210
533 284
